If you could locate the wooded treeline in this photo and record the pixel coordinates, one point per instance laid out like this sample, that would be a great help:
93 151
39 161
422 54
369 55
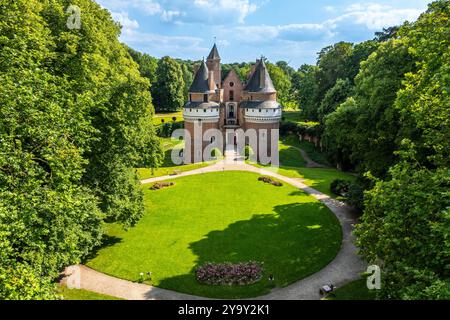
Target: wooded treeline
384 111
74 120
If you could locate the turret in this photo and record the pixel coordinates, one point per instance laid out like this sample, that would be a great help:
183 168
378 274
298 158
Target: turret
213 63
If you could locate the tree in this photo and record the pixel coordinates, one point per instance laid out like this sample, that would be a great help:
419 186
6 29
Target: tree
307 90
339 131
147 64
74 121
406 226
377 126
287 69
360 53
281 82
169 87
406 223
332 63
188 77
387 34
423 101
334 97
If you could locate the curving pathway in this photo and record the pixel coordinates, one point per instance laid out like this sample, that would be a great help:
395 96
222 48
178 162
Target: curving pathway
346 267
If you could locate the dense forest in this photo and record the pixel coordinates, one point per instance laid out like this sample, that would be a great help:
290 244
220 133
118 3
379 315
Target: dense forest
73 123
75 118
383 108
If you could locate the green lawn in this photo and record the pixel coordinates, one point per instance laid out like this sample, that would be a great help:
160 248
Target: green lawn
218 217
292 116
312 151
168 167
167 117
356 290
292 165
80 294
317 178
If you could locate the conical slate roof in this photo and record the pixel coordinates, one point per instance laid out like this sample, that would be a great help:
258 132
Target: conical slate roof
260 80
214 54
200 83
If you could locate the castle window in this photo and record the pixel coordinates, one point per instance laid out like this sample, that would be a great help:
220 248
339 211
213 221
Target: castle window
190 97
204 110
231 95
205 98
259 110
232 84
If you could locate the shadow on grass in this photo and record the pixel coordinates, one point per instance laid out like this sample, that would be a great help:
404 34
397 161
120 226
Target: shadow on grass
297 241
290 156
107 241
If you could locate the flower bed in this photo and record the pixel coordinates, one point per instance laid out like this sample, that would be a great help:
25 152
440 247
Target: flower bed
270 180
243 273
160 185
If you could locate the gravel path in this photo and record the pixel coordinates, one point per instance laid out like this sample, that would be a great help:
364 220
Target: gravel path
344 268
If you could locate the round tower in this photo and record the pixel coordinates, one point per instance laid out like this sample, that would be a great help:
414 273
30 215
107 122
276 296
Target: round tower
201 112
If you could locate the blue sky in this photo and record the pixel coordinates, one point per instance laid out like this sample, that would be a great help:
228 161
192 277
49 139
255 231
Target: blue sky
290 30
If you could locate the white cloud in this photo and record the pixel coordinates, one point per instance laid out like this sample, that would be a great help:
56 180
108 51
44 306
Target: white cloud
150 7
128 25
188 11
330 9
376 16
358 22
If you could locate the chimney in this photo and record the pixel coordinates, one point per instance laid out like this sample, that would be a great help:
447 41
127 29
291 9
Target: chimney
262 78
211 83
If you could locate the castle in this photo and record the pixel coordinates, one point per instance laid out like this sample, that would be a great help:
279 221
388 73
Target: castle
229 105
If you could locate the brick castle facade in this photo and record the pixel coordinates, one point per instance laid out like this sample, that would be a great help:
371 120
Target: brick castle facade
229 104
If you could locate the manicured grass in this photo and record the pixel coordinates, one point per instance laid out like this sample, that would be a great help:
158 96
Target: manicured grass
317 178
356 290
292 116
80 294
219 217
168 167
144 173
167 117
312 151
290 156
292 165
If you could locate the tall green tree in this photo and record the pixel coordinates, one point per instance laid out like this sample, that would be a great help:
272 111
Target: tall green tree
281 81
332 62
406 224
75 119
169 87
306 88
334 97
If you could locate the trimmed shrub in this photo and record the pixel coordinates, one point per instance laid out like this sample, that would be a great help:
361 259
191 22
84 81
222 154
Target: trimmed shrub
160 185
270 180
215 153
243 273
248 152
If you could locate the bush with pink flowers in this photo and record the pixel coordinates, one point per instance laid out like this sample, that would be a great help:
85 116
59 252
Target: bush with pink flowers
243 273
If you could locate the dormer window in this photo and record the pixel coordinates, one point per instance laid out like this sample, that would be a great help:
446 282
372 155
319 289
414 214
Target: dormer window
231 84
231 95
